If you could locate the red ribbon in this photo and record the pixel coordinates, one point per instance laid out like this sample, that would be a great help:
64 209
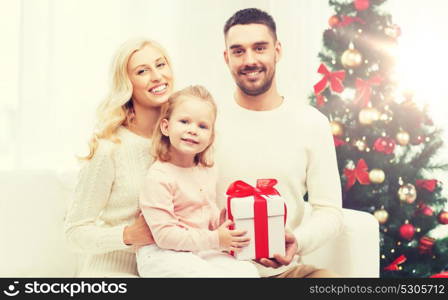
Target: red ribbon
320 100
241 189
359 173
394 265
335 80
364 89
338 142
346 20
429 185
440 275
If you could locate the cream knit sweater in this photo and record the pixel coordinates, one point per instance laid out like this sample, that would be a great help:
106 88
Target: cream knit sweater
104 202
293 144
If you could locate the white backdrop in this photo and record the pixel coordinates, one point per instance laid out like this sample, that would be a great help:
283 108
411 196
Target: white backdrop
56 54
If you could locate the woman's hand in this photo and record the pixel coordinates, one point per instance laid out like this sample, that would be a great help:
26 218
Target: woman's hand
231 240
138 233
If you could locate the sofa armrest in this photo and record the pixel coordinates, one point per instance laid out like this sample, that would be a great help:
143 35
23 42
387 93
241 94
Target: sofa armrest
355 252
32 214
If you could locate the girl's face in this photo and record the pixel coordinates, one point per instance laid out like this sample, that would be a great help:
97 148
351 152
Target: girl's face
151 77
189 129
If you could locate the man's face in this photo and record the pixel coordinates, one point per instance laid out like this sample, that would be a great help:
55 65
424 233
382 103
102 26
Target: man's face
251 54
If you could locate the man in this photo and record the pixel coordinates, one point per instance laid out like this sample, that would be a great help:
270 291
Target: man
262 134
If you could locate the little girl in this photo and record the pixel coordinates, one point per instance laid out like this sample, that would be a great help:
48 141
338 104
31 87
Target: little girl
178 197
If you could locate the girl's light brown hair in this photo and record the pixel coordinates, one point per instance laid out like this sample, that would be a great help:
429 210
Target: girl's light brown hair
161 144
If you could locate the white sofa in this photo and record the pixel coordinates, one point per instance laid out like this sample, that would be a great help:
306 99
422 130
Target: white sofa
33 205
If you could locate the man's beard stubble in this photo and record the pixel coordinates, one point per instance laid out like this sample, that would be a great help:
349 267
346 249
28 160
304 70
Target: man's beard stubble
257 91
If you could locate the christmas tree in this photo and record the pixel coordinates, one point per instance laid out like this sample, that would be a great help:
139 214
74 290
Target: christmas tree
385 142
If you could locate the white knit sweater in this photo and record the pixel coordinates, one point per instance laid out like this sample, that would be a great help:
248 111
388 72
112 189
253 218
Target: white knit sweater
293 144
104 202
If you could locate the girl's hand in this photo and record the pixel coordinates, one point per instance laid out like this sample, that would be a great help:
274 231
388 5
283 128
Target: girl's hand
138 233
231 240
222 216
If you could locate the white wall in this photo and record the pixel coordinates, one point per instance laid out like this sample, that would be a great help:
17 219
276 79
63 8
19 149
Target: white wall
56 56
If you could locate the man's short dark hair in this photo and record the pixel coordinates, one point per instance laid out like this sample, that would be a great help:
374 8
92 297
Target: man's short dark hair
251 16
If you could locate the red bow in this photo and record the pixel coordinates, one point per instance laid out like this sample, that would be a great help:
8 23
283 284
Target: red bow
394 265
346 20
359 173
334 78
429 185
364 89
241 189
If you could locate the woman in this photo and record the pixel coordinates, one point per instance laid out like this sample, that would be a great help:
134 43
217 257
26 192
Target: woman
103 221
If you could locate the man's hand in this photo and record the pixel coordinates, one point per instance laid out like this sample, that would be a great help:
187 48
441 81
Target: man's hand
280 260
138 233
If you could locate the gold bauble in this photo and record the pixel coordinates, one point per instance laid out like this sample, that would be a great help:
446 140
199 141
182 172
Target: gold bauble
377 175
368 115
351 58
407 193
337 128
403 138
381 215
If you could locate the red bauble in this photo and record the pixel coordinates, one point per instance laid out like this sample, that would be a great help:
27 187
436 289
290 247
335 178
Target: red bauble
361 4
424 209
443 217
334 21
407 231
427 211
385 145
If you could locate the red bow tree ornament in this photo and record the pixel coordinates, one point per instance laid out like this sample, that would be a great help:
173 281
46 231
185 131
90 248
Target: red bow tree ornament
364 90
427 184
394 265
359 174
347 20
332 79
440 275
338 142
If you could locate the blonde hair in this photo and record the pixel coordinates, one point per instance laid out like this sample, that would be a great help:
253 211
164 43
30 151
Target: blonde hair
117 108
161 143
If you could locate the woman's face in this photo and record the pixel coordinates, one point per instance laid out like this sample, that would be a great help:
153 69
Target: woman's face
151 77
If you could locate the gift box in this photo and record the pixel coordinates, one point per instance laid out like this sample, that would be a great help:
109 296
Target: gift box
261 211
